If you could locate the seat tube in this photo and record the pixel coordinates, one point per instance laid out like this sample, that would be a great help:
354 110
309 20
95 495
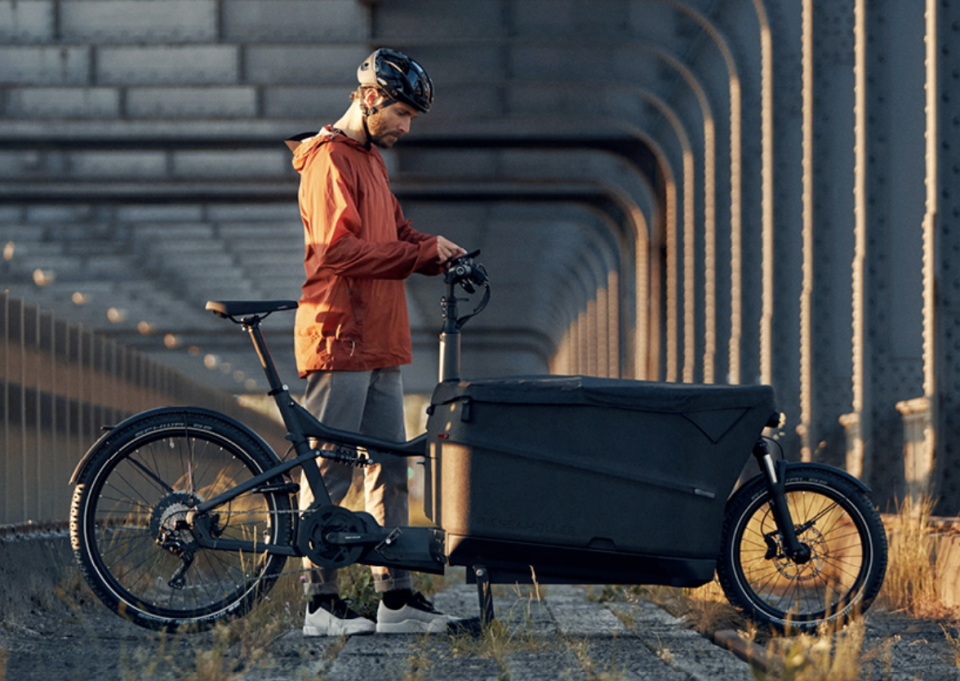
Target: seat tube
281 396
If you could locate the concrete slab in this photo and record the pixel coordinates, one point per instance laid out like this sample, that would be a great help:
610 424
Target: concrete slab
53 628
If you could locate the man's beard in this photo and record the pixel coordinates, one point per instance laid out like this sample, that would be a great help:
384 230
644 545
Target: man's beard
376 131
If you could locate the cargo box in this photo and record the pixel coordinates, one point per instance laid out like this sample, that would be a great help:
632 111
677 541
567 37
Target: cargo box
578 479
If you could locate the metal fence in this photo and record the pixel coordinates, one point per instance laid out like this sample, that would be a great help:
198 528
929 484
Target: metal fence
58 385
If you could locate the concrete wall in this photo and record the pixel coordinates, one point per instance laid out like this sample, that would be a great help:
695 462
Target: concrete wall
740 191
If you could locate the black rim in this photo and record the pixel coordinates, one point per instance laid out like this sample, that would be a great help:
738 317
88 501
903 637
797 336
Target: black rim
137 491
834 577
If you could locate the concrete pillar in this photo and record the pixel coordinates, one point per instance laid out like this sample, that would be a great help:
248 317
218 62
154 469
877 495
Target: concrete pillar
831 181
893 195
918 440
942 301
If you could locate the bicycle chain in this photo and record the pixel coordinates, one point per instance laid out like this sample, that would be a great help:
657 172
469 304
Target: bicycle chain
290 512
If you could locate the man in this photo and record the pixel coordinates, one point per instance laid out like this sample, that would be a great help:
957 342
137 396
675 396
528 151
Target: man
352 329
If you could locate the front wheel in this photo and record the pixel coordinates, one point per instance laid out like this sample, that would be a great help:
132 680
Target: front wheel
845 541
132 520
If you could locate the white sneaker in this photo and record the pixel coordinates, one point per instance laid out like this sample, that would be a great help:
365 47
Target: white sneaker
335 618
417 616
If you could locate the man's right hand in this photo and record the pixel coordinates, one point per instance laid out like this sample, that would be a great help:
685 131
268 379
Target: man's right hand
447 250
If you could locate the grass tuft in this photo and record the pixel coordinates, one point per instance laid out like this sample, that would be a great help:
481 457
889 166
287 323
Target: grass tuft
912 581
829 655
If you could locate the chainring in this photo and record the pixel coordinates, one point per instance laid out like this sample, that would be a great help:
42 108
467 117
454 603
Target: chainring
316 523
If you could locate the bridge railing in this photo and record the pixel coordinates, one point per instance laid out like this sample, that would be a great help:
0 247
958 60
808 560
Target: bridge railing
58 385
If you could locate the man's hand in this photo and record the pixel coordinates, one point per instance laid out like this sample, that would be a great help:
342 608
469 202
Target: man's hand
447 250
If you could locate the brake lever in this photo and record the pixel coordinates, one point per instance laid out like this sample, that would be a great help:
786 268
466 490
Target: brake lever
461 259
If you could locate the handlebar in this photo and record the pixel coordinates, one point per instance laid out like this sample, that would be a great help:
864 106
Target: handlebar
469 275
465 272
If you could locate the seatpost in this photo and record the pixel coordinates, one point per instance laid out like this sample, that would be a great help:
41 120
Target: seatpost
449 336
252 326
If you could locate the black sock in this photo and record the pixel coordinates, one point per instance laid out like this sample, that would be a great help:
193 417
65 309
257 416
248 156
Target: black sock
396 599
319 599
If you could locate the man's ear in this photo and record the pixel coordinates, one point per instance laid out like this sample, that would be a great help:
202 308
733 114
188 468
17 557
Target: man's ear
372 98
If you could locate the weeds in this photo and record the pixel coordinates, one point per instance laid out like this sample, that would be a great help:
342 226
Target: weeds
953 640
498 639
235 648
419 661
589 667
912 581
828 655
4 654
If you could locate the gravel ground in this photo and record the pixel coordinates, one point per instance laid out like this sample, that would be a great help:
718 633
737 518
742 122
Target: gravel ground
52 628
567 634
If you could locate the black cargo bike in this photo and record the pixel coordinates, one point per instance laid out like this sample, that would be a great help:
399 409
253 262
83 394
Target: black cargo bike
183 517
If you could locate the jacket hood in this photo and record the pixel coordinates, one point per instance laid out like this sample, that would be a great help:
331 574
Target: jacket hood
304 145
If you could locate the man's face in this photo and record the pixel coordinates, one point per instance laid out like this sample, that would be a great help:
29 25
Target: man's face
390 123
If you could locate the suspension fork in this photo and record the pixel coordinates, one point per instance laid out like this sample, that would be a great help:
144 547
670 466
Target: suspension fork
775 474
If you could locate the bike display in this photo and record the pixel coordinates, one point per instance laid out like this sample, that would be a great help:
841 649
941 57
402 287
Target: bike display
182 517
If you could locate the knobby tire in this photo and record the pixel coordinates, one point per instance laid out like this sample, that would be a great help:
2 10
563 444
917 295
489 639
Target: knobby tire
143 481
835 519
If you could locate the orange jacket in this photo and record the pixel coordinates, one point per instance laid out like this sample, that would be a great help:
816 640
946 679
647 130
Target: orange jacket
358 250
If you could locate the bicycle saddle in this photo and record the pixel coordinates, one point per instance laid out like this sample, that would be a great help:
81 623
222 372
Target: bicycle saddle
242 308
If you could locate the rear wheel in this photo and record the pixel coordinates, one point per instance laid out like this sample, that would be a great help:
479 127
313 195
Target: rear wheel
842 533
132 523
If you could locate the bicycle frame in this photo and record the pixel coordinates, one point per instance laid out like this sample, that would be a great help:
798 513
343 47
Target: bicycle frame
410 547
302 426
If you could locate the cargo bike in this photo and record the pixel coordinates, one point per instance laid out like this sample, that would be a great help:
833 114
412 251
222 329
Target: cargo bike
182 517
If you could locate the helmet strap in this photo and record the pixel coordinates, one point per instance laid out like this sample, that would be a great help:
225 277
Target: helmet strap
370 110
366 130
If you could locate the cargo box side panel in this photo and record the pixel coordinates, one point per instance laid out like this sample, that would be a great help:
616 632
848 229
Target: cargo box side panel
584 476
503 496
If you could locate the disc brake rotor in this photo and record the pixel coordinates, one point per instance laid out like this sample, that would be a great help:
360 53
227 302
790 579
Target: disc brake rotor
810 569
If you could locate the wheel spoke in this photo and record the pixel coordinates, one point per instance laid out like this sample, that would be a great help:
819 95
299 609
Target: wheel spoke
134 535
834 522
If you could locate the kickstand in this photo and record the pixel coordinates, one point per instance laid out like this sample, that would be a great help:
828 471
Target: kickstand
485 594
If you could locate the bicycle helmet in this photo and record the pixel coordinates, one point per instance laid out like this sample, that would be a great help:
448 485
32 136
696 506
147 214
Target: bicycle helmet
398 77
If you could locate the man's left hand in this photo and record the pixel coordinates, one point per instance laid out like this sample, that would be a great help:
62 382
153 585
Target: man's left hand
447 250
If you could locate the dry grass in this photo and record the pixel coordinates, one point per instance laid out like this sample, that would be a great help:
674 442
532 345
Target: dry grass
235 648
517 631
590 669
829 655
915 564
954 641
420 661
512 631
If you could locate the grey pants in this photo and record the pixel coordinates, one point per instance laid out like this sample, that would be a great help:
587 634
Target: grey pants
371 403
